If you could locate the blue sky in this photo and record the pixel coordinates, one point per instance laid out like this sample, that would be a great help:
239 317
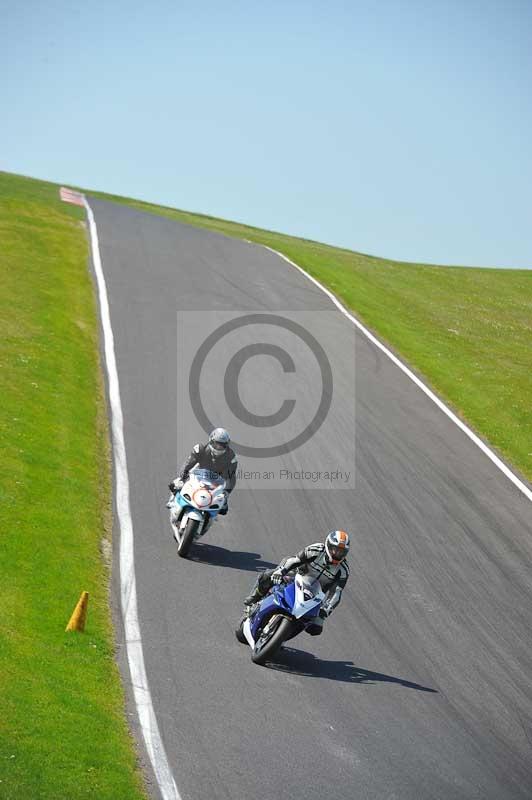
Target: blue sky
401 129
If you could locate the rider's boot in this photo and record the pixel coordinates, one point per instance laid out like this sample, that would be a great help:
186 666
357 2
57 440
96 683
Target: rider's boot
255 597
250 610
260 590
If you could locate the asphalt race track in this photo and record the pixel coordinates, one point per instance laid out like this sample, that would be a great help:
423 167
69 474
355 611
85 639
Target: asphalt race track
420 686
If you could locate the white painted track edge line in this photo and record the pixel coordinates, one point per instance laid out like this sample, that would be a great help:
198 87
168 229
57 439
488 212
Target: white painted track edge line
128 589
413 377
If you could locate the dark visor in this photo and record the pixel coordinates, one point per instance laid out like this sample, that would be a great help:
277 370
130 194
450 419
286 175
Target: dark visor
337 553
218 446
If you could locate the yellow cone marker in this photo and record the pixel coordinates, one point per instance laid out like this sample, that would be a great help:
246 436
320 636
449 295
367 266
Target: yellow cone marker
79 615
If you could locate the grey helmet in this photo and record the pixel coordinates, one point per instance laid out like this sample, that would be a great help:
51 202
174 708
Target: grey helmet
218 441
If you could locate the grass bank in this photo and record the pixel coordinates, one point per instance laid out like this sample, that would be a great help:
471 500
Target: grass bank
62 724
467 331
62 728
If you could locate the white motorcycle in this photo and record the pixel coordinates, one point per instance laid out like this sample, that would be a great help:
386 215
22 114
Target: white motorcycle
196 506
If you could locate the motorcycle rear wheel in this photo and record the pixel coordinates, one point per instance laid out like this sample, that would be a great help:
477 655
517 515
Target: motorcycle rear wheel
264 650
188 537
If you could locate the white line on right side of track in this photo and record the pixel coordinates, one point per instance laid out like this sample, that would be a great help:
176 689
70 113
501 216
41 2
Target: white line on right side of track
413 377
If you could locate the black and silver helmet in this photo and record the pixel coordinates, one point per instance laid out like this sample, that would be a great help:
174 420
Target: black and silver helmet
218 441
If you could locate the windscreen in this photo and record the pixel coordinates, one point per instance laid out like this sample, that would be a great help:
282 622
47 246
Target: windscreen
310 586
207 476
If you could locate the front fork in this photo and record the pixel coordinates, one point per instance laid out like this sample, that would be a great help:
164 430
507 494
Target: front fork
202 517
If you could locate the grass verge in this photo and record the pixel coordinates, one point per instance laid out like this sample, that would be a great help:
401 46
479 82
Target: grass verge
467 331
62 728
62 725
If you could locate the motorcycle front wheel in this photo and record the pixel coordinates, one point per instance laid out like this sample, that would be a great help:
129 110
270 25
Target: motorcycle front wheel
239 633
267 644
187 537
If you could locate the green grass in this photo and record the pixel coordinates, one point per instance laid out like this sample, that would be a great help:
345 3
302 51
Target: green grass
467 331
62 729
63 733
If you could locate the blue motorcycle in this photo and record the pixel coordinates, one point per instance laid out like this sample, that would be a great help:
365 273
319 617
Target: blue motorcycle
286 611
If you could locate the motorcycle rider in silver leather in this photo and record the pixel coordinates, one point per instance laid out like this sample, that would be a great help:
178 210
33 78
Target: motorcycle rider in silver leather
324 561
216 456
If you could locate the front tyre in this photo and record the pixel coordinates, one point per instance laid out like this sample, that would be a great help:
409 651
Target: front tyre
239 632
267 644
188 537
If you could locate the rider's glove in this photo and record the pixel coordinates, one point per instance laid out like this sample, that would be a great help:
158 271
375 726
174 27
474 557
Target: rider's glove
277 576
175 486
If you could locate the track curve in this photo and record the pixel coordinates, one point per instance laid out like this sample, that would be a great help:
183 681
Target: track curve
420 685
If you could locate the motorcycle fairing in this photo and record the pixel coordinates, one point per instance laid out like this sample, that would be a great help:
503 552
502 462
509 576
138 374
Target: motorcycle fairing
286 596
268 606
180 500
283 597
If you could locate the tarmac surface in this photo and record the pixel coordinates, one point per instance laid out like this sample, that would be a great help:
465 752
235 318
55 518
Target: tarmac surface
420 685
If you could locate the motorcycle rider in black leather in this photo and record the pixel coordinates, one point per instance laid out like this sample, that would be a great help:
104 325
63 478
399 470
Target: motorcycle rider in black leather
324 561
215 456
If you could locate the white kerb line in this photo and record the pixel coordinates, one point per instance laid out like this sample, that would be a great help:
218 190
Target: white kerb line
424 388
128 589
